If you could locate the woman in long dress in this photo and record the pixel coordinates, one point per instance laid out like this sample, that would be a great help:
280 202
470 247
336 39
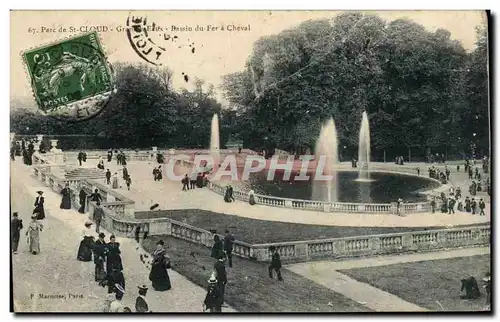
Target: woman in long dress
251 198
159 275
66 197
83 201
39 209
115 181
114 258
85 250
33 233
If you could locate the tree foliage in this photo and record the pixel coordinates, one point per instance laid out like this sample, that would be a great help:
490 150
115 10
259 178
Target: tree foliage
420 88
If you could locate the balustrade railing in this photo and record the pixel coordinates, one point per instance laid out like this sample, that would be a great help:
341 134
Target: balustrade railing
324 206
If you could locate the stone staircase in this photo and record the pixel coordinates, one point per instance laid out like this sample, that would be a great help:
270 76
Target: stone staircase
88 173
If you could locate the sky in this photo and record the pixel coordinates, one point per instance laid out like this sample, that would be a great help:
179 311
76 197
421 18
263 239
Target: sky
207 54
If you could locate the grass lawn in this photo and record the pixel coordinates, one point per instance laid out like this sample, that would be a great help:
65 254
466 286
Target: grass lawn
249 288
256 231
424 283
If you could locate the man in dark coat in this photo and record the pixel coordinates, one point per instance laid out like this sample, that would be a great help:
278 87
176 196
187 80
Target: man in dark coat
39 210
99 257
275 263
16 225
125 173
113 278
220 271
213 301
451 205
473 205
96 196
108 176
141 305
83 201
482 205
228 247
110 155
471 288
98 216
80 158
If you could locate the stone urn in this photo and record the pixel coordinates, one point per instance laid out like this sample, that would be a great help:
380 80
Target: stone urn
53 143
39 137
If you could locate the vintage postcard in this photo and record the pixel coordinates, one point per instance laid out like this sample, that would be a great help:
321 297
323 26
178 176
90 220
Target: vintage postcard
250 161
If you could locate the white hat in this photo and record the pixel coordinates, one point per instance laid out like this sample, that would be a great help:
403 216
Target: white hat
119 288
212 279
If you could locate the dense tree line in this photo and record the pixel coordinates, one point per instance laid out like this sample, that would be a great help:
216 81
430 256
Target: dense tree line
421 89
145 111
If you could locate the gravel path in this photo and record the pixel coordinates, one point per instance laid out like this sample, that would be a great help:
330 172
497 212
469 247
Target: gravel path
56 272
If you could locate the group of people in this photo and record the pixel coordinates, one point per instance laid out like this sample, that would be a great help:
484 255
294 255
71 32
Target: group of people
442 176
158 173
82 157
32 233
436 158
197 179
222 250
108 270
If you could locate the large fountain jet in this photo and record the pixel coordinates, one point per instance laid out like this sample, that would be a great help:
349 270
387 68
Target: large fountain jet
214 141
326 146
364 149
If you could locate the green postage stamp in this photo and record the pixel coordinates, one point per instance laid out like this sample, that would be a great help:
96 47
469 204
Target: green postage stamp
70 79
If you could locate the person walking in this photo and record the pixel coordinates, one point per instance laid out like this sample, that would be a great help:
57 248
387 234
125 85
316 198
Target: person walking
228 247
115 277
128 181
96 196
474 206
141 304
33 233
220 271
108 176
213 300
275 263
16 225
113 257
451 205
482 205
185 181
39 208
217 247
158 274
99 258
98 216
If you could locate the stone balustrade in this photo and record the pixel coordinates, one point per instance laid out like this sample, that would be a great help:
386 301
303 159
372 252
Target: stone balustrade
371 245
324 206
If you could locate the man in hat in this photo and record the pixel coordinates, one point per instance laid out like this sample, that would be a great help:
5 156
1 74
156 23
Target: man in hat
16 225
275 263
115 277
39 210
220 270
108 176
228 247
98 215
117 306
99 257
141 305
213 300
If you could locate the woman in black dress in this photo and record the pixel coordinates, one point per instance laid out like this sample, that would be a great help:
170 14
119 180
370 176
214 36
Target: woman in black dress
159 275
85 249
83 201
66 198
114 258
39 210
217 248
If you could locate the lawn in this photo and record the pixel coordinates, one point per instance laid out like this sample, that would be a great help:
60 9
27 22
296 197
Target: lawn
256 231
425 283
249 288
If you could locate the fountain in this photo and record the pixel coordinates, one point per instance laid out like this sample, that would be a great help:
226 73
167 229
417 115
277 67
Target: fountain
364 149
326 146
214 141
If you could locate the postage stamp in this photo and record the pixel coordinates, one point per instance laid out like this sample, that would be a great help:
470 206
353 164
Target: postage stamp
70 78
